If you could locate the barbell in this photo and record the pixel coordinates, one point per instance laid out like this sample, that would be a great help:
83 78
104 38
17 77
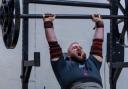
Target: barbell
10 20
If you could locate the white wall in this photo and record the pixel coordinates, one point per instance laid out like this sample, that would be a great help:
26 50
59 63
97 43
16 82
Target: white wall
66 31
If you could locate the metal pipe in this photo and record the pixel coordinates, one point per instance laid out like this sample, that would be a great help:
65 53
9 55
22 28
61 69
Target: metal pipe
72 3
69 16
119 64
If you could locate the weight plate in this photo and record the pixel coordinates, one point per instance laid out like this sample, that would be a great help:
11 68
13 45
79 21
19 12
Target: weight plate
10 26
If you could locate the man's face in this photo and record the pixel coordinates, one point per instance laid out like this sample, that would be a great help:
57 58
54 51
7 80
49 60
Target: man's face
76 52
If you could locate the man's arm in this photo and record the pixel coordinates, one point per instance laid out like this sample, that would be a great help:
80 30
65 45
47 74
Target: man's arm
55 50
96 49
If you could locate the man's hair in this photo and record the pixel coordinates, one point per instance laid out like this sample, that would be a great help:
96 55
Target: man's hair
71 45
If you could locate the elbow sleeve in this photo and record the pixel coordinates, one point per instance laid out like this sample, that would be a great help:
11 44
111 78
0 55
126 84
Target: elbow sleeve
55 49
96 48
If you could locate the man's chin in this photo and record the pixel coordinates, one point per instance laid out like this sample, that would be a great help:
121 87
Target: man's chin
78 59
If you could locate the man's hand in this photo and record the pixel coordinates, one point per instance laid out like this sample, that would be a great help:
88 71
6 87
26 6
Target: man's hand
98 20
49 17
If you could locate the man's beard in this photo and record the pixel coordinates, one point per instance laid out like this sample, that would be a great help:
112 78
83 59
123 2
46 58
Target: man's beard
77 59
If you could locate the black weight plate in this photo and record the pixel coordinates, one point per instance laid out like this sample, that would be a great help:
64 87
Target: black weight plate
10 26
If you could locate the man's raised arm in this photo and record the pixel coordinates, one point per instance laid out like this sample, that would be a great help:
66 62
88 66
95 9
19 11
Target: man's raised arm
55 50
96 49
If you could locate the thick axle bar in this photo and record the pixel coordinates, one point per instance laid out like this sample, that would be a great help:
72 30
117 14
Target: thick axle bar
69 16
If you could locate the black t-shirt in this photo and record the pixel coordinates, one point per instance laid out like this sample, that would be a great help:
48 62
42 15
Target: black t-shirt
68 71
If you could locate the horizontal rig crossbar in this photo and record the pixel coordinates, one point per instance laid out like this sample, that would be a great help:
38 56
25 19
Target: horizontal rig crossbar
69 16
72 3
120 65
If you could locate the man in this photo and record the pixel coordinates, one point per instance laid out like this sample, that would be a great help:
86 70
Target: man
74 70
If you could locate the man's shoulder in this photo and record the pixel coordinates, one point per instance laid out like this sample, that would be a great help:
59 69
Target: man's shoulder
94 57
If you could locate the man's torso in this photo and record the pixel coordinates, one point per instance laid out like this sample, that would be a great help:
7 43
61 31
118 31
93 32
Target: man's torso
68 71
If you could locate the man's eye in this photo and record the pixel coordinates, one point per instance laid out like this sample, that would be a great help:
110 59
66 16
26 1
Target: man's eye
74 47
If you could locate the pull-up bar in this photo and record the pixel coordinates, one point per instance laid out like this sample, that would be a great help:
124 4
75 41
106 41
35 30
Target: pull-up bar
69 16
71 3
